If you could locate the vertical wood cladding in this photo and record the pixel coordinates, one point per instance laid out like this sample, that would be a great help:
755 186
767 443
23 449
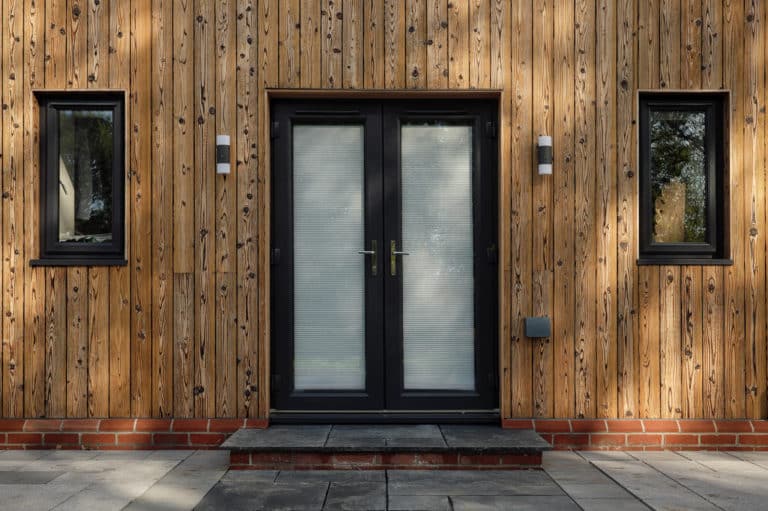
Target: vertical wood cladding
183 330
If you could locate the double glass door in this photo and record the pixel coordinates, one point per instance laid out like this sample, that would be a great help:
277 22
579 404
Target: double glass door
384 255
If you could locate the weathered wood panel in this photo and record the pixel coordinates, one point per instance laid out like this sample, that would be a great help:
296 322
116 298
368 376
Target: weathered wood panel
184 329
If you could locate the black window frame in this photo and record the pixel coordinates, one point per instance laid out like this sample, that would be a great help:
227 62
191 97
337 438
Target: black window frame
715 250
52 251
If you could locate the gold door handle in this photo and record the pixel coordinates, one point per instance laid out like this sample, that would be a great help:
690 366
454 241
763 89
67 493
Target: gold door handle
374 253
393 253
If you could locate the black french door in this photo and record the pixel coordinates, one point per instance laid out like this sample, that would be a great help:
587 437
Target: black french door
384 287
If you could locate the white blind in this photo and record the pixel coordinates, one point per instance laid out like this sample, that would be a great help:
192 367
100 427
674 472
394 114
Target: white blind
329 290
438 275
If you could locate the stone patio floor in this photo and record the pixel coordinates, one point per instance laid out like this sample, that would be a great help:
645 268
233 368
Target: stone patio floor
183 480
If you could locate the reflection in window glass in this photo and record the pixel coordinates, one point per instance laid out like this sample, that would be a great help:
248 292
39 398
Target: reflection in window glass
85 175
678 176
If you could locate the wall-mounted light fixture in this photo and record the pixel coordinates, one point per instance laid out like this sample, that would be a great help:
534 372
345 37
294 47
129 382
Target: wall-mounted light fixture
544 155
222 154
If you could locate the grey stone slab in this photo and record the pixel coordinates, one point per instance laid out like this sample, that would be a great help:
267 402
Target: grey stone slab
236 497
481 482
185 485
28 477
359 437
612 505
279 438
356 496
253 477
493 439
511 503
19 497
419 503
330 476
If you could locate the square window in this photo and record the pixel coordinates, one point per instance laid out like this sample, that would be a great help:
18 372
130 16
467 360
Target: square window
683 171
82 180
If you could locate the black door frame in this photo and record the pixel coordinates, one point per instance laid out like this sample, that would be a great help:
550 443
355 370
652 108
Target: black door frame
378 115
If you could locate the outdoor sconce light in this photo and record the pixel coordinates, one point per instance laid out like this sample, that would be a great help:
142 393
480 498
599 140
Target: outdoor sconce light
222 154
538 327
544 155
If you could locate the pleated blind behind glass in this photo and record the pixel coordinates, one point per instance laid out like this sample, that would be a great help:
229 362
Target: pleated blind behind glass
329 290
438 275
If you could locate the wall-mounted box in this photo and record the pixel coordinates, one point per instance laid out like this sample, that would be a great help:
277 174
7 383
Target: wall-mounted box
538 327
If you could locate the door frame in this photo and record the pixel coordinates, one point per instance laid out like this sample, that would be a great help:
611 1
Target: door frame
262 408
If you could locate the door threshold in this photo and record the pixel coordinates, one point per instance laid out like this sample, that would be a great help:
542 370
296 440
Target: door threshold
385 417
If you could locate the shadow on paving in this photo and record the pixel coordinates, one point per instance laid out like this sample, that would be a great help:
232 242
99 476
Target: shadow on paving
386 490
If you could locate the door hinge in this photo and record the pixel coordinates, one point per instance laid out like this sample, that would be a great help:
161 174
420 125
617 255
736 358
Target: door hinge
274 129
275 257
490 129
275 381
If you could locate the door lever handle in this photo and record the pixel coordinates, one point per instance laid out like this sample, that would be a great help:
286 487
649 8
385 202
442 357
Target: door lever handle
373 252
393 253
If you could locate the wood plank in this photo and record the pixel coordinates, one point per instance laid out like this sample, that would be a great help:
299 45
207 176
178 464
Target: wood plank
564 291
479 63
77 342
606 211
670 324
311 43
332 30
247 234
648 343
521 392
226 347
374 14
585 241
733 77
289 50
183 136
183 344
712 44
267 78
98 342
691 19
501 77
458 43
205 162
415 47
77 44
12 218
693 317
543 72
756 405
56 342
352 54
163 205
670 53
98 44
119 277
394 44
627 201
140 202
437 43
34 277
712 343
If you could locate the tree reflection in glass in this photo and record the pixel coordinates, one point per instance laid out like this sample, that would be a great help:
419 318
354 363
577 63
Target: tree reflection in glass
85 175
678 176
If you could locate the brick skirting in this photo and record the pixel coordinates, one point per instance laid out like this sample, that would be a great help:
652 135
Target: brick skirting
381 461
649 434
120 433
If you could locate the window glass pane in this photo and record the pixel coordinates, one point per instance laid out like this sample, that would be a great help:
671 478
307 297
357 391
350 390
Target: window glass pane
329 283
678 176
85 175
438 273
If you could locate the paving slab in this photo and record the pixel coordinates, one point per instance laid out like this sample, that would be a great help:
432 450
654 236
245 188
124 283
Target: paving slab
486 482
419 503
276 438
358 437
234 495
492 439
362 496
28 476
330 476
513 503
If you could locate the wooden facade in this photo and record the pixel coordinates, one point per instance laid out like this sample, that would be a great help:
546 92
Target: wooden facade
183 330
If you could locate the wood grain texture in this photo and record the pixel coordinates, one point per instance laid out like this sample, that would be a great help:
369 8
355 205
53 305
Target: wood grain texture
565 289
606 210
394 44
12 217
163 206
713 354
521 392
289 50
352 44
77 342
586 232
183 344
311 42
331 69
458 42
415 44
98 342
437 43
543 123
56 342
479 41
226 344
692 318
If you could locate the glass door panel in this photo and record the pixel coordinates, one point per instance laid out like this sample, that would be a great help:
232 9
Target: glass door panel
438 274
328 278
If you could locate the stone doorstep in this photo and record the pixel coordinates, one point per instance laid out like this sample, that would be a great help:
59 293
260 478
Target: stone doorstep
360 447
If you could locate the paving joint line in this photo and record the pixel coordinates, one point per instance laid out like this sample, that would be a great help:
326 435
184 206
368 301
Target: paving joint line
609 476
